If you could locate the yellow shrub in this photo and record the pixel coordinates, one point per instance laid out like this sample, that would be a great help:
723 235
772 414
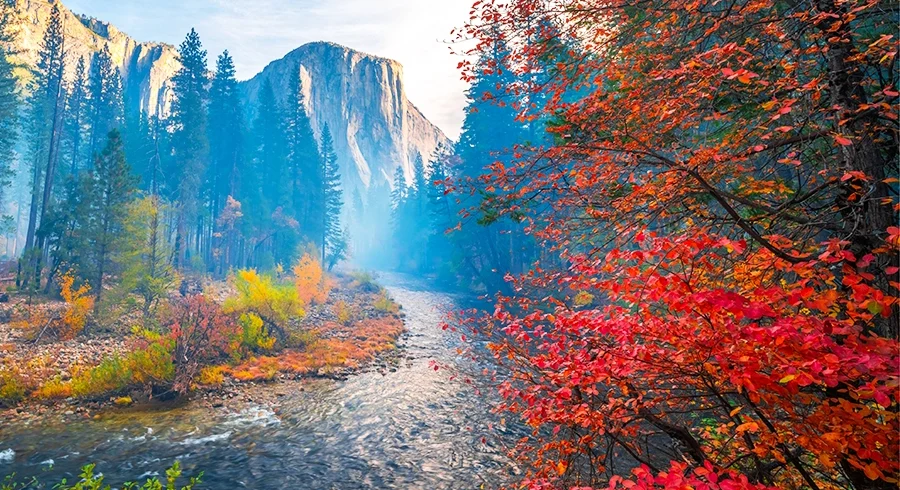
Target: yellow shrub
312 284
260 294
211 375
12 388
54 389
384 304
123 401
343 312
254 335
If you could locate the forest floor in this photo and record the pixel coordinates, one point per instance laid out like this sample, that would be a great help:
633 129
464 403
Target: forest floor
354 329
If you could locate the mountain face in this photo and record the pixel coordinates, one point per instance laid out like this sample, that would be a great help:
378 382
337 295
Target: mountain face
361 97
146 68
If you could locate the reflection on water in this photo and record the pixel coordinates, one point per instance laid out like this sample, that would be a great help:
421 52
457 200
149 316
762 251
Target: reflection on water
410 428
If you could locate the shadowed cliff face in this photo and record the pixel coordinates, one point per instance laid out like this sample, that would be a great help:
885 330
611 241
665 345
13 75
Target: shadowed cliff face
361 97
146 68
363 101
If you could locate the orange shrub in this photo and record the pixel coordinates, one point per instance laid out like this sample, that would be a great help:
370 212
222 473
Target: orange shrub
78 306
312 284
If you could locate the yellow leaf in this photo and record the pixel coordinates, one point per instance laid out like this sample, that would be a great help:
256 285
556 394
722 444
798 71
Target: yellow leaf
735 411
787 378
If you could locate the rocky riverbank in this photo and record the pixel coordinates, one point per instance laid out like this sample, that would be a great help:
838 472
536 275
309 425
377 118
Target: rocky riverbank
356 328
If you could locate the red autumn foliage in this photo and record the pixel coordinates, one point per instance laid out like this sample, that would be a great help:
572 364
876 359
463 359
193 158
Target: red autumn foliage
202 333
722 183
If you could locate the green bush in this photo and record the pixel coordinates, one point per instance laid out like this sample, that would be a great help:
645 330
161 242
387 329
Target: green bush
365 281
89 481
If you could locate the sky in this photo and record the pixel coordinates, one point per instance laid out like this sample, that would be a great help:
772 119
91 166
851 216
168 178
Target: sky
414 32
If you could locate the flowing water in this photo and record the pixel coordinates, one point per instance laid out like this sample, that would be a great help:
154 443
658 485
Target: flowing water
413 427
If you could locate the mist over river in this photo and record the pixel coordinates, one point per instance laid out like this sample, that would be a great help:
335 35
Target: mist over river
406 426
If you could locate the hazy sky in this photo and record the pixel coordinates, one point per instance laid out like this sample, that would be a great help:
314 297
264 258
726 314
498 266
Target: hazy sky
256 32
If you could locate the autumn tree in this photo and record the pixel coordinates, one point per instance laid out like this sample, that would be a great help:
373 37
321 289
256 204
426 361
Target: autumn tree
144 257
720 187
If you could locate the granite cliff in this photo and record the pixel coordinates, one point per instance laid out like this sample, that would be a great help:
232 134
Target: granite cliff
362 99
360 96
146 67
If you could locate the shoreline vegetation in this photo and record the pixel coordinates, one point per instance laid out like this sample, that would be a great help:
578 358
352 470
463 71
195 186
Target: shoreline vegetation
205 339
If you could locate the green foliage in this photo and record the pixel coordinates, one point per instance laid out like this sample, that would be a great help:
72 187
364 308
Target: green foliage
10 100
111 375
365 281
105 103
254 334
189 139
151 365
88 480
385 304
334 243
304 161
145 256
107 191
226 146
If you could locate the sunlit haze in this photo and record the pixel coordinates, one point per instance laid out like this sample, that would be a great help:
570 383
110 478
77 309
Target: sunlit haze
414 32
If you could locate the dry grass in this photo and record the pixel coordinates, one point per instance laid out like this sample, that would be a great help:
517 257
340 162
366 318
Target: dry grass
340 346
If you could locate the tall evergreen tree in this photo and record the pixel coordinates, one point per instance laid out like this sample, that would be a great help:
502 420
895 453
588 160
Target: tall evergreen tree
76 112
108 189
333 197
190 144
9 98
225 144
225 134
106 108
304 160
420 184
398 208
45 105
271 149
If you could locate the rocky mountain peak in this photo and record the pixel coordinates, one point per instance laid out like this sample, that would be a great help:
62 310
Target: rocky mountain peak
360 96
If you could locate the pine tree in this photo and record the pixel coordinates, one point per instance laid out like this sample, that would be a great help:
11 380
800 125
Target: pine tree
190 144
77 107
333 196
225 139
46 106
420 184
9 99
398 210
107 191
106 108
271 149
304 161
440 253
225 131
